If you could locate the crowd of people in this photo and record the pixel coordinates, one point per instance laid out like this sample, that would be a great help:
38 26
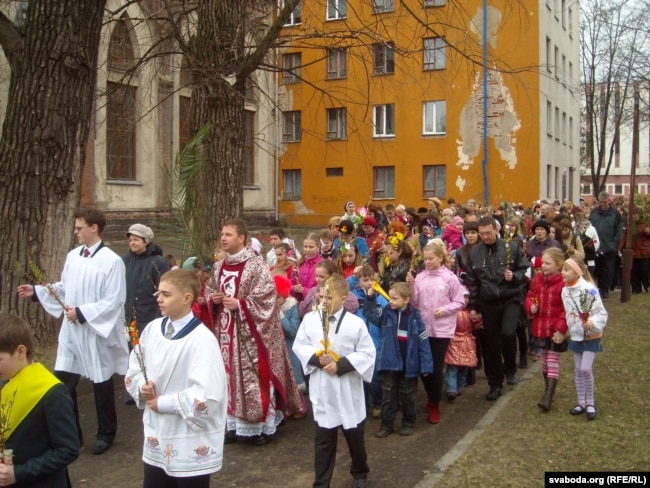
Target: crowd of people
354 316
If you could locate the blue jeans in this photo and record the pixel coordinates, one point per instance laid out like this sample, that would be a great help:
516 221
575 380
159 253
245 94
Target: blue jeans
455 378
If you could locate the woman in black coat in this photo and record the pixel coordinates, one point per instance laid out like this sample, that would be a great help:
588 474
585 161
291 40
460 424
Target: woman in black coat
145 265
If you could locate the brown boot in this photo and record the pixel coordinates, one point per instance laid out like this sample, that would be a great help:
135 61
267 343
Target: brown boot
547 399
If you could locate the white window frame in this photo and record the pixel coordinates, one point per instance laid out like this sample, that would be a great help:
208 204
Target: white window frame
439 173
383 120
294 176
336 123
295 17
435 3
292 126
430 124
337 63
383 6
549 118
291 63
383 58
337 9
434 52
387 190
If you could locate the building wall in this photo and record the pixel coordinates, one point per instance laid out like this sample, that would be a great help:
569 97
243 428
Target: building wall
514 91
619 177
146 197
559 101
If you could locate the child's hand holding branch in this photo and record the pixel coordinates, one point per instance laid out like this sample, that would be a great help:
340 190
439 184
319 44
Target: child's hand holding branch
149 393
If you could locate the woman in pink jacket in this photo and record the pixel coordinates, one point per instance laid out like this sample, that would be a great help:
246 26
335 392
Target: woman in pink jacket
437 293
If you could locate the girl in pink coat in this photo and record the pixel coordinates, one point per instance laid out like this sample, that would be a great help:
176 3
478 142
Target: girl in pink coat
437 293
305 278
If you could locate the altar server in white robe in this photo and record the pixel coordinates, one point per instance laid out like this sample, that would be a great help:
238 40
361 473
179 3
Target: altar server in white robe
92 343
182 389
338 352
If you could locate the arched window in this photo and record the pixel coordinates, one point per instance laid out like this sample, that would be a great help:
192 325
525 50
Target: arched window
121 98
185 102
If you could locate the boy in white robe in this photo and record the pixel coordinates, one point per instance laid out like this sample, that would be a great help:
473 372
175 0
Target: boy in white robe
182 389
338 352
90 296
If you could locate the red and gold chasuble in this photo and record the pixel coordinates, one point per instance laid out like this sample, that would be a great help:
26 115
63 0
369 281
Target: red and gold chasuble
234 327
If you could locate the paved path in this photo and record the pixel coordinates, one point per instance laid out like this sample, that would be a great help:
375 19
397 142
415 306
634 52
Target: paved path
286 461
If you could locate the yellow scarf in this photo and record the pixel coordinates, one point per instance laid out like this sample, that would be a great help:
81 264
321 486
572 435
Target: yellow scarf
23 392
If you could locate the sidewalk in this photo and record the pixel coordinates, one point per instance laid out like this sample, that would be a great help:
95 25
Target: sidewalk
287 461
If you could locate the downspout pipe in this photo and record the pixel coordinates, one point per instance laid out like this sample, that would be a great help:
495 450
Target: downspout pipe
276 121
486 190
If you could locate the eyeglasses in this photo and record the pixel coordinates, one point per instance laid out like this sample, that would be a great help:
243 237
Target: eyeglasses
77 229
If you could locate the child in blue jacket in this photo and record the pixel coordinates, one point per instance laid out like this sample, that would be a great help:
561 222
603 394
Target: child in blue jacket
360 282
404 354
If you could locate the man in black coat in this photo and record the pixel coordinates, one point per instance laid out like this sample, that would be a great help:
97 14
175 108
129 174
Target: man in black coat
494 278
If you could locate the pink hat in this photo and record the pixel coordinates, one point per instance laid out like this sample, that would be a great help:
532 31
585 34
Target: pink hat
458 220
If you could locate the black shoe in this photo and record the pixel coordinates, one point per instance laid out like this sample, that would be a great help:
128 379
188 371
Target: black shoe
384 432
360 483
577 410
406 430
451 397
523 361
604 294
129 401
495 392
511 379
260 440
591 412
101 446
230 437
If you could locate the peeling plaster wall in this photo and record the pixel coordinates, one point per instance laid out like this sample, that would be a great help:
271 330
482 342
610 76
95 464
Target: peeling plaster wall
502 119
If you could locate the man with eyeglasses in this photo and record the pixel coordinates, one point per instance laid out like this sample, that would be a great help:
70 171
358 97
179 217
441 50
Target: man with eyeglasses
91 340
495 275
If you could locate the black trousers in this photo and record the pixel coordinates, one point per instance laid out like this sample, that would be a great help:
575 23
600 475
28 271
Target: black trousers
325 453
433 382
396 387
104 404
640 275
155 477
499 343
605 269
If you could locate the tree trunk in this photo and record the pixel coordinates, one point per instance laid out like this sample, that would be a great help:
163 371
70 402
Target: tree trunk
217 50
43 144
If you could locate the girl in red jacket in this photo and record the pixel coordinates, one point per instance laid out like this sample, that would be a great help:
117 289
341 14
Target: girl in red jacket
544 305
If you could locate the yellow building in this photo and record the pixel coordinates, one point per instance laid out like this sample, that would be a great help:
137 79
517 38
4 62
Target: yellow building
385 100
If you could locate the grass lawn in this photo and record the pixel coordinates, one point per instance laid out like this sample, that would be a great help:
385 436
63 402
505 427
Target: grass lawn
523 442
